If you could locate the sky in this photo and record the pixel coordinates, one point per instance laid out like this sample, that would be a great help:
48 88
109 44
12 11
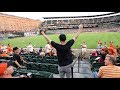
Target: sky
39 15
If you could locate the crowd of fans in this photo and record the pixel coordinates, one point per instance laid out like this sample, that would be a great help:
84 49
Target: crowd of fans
15 53
107 55
73 23
103 53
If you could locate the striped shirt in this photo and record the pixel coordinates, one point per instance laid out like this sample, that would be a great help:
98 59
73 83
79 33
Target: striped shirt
109 72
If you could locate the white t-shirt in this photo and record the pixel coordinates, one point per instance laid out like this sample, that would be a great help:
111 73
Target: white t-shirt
30 48
47 48
84 47
4 48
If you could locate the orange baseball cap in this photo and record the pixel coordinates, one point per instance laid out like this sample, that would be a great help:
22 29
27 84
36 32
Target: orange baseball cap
3 67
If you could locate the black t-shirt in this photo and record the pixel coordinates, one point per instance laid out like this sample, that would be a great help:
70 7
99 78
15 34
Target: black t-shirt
64 52
17 58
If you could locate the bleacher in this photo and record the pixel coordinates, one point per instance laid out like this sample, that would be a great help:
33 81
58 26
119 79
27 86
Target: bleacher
96 65
40 67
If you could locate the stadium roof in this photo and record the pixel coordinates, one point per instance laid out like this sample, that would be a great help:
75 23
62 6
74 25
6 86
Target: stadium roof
41 15
82 17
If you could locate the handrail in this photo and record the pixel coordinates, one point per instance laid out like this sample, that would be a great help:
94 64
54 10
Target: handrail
73 66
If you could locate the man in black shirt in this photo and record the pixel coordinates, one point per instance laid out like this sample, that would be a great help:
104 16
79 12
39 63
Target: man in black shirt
18 60
64 52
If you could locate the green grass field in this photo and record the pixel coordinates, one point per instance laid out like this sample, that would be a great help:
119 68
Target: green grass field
90 38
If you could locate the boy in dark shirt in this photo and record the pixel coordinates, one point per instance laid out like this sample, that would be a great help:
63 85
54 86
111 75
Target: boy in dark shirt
18 60
64 52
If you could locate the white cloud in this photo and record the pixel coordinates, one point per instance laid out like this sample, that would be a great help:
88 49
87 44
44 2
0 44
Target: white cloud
39 15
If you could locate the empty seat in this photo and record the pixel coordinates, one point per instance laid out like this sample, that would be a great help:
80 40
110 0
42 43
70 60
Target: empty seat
53 68
96 66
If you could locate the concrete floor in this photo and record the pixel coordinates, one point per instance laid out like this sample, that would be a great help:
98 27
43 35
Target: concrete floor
84 70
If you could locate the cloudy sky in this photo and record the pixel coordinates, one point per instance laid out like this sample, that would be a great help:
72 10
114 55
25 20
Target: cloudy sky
39 15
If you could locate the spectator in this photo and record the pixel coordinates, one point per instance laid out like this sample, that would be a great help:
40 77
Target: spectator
99 42
30 48
64 52
54 52
111 51
84 56
9 49
102 56
42 53
118 51
23 51
99 46
94 53
105 49
34 52
4 48
105 45
40 50
4 54
48 49
18 60
111 44
110 70
84 47
6 71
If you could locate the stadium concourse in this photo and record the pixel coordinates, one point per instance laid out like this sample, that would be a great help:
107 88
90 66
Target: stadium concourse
28 62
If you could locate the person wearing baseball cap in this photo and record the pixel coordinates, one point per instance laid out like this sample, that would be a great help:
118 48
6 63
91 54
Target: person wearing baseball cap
6 70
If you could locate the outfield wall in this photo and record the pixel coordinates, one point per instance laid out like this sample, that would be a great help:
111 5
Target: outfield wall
77 51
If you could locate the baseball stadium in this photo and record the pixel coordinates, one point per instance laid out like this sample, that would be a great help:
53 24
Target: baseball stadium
60 47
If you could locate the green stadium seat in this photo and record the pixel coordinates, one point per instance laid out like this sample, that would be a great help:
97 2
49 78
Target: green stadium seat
42 74
92 59
96 66
39 60
22 71
53 61
53 68
43 67
45 61
32 66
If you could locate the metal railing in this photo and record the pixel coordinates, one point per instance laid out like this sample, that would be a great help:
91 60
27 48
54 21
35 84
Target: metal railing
73 66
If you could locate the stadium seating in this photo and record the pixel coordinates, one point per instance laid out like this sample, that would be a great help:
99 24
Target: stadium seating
35 73
92 59
43 67
96 66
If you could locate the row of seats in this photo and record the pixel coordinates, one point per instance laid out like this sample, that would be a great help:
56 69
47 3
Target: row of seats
34 73
96 66
53 68
39 67
6 58
37 56
37 59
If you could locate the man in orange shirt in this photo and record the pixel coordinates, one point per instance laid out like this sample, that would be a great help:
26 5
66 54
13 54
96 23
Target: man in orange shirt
112 45
4 54
111 51
9 49
110 70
